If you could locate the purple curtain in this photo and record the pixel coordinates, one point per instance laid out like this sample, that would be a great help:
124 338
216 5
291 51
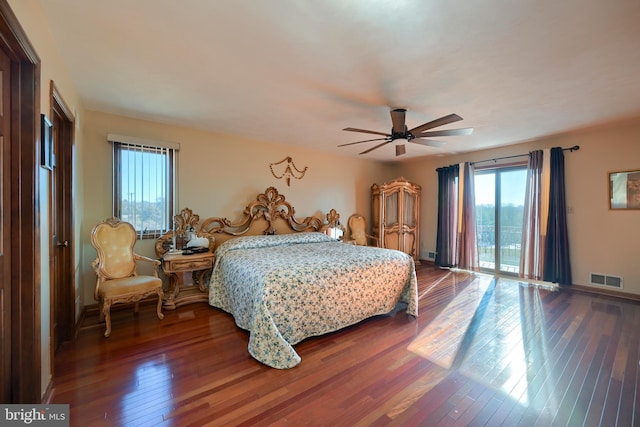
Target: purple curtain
532 232
446 241
467 237
557 266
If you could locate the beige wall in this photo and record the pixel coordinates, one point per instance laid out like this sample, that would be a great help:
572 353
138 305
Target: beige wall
219 175
601 241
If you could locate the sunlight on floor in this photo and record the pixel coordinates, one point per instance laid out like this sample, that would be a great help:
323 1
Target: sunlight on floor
491 332
440 340
151 383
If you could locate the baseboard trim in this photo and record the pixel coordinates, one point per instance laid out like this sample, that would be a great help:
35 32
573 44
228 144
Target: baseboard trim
579 288
605 292
48 393
83 314
92 309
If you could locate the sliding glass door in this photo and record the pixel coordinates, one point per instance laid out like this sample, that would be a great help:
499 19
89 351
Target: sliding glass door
499 214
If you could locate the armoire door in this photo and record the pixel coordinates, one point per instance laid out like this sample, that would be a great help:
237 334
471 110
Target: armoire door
409 209
392 228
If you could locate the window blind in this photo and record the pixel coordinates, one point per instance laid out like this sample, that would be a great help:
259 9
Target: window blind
144 184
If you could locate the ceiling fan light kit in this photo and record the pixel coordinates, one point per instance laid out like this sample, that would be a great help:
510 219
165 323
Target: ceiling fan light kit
401 135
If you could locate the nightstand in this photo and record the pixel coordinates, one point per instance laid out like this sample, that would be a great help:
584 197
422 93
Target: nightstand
175 265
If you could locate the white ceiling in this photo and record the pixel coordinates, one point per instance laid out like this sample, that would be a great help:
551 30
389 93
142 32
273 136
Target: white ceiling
299 71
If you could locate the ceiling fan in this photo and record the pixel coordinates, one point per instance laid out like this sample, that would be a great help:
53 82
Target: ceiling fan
400 133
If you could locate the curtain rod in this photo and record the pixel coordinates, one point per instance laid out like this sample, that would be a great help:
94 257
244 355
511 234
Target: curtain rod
574 148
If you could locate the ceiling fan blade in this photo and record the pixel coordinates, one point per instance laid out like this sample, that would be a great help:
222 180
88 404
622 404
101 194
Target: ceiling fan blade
398 119
428 142
435 123
373 148
449 132
358 142
366 131
400 150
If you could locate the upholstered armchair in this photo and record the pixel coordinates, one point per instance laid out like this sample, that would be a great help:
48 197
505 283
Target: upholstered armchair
358 231
116 270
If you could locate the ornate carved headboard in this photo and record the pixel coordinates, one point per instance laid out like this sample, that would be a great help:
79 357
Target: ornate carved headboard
270 213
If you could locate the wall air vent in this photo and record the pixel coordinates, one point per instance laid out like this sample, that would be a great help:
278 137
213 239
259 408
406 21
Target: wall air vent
428 255
606 280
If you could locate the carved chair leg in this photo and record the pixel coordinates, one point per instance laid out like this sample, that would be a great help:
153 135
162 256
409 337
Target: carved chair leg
159 306
135 307
106 312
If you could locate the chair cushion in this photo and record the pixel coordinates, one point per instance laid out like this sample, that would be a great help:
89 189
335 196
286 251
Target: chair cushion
129 285
115 248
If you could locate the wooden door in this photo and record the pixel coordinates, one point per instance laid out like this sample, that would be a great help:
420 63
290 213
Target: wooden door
20 356
5 228
62 289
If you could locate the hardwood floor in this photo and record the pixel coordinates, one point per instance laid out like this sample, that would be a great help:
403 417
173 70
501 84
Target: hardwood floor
483 351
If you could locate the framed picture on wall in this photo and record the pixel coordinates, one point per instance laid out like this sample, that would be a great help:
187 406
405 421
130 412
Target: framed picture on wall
624 190
46 142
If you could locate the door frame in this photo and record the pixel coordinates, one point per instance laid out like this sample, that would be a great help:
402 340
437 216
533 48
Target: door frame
498 171
63 129
25 219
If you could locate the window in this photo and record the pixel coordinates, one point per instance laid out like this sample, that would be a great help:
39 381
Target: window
144 184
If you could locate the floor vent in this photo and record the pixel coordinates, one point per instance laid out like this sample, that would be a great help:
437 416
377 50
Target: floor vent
606 280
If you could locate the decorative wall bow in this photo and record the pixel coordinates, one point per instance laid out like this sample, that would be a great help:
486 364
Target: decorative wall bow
289 171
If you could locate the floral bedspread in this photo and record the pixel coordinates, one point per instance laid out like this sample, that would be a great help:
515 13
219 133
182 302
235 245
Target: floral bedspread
285 288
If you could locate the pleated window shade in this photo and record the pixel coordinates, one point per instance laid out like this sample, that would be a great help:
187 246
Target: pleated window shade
144 184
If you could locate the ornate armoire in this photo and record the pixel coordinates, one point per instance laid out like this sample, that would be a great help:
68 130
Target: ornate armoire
396 215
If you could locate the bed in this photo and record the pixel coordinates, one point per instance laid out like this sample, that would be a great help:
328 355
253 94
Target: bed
285 287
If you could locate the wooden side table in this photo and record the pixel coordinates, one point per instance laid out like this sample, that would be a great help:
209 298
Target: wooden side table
174 266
